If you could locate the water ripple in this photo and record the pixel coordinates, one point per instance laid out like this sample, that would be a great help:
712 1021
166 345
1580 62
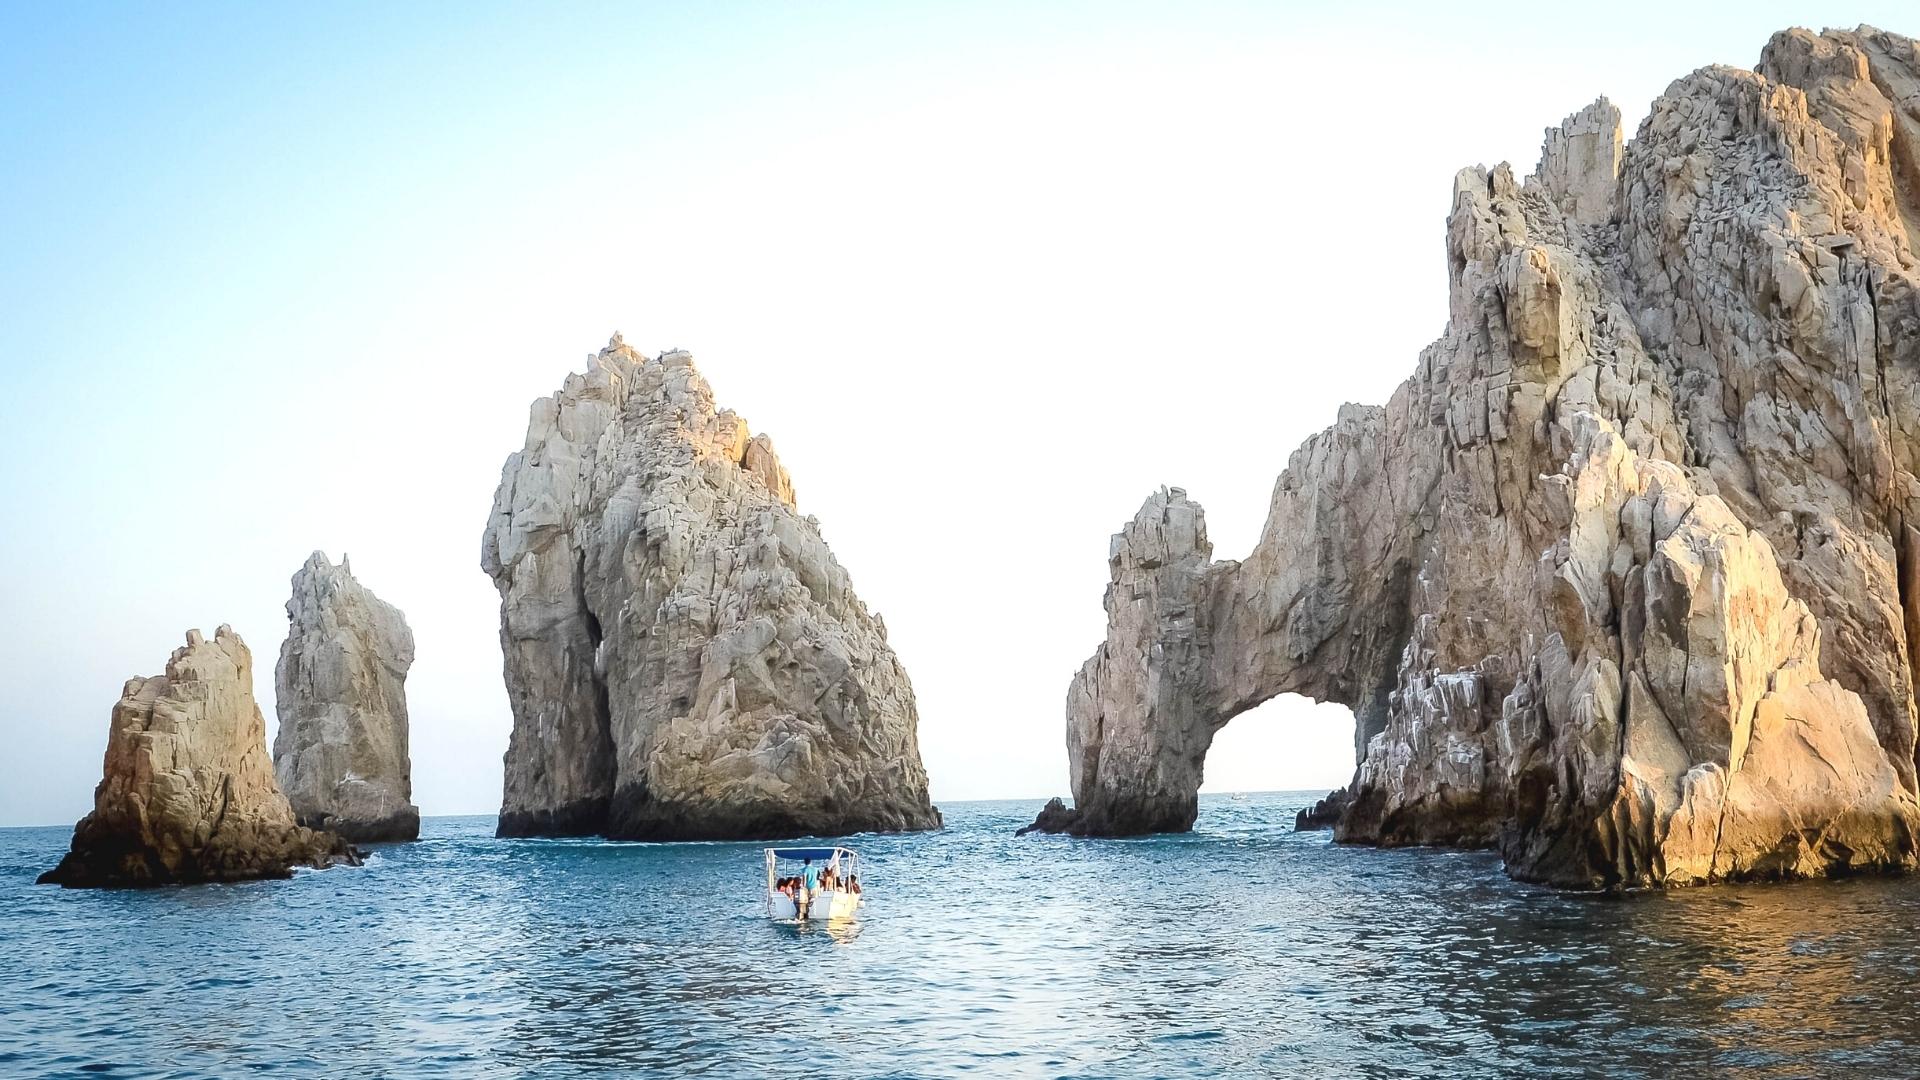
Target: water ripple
1240 949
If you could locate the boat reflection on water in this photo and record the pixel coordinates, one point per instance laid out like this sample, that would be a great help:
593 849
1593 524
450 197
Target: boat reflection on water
842 931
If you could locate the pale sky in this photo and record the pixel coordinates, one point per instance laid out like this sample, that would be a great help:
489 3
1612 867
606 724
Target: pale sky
278 279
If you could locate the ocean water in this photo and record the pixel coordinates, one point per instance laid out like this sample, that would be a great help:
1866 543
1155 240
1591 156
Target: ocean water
1241 949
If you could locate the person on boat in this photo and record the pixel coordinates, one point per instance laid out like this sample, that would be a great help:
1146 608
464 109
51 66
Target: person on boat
809 884
853 884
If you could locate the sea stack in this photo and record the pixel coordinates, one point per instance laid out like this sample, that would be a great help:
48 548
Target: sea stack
685 659
1624 581
340 689
188 793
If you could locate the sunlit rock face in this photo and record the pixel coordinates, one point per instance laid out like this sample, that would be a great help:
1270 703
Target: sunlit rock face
187 793
340 689
685 658
1625 579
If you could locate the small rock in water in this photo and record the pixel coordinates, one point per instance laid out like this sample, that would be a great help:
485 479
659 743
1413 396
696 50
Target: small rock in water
1324 814
1055 817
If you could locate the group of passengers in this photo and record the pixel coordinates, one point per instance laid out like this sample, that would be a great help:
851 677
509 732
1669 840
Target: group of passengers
812 880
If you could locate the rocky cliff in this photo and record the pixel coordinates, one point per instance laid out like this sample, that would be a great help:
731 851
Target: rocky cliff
1625 579
340 689
685 659
188 793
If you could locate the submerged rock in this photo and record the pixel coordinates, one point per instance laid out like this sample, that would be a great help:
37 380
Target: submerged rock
685 658
340 689
1622 580
188 794
1055 817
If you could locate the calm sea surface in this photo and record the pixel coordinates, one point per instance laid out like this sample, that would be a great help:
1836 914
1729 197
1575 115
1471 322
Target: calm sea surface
1243 949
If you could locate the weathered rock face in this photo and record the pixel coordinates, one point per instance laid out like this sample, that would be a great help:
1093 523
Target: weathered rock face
341 693
684 657
1625 580
188 793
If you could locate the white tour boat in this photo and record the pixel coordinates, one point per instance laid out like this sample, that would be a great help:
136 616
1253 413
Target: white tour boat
838 865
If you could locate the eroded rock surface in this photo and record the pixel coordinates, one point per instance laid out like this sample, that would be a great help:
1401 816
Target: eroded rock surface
340 689
188 793
684 657
1622 580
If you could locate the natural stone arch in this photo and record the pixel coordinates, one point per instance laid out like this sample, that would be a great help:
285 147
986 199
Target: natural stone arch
1193 643
1621 579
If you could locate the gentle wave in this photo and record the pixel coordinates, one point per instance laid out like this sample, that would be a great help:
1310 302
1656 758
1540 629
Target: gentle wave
1240 949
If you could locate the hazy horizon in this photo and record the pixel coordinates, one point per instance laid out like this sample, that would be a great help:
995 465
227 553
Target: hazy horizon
282 280
494 813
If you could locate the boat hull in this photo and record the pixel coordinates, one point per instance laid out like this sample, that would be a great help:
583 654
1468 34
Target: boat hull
827 904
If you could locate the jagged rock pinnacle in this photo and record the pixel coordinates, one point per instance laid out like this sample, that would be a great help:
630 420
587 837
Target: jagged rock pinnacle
341 754
685 658
188 793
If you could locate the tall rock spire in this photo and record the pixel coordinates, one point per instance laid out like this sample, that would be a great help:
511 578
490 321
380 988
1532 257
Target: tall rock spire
685 658
187 792
340 689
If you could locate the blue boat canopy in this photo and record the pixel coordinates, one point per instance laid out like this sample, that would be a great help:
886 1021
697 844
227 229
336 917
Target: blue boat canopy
822 853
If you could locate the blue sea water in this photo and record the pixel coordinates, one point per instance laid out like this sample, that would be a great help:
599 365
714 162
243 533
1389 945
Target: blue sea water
1241 949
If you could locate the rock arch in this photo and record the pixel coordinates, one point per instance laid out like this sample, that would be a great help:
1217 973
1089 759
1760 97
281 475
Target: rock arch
1614 582
1192 643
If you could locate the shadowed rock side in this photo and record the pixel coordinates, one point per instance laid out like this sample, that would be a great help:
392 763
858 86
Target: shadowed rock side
1055 817
684 657
187 793
1324 814
1622 580
341 692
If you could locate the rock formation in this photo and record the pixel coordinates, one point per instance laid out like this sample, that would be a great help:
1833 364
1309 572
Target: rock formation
1055 817
188 793
1625 579
341 692
1324 814
684 657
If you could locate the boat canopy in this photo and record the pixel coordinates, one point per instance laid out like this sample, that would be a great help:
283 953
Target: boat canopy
808 852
